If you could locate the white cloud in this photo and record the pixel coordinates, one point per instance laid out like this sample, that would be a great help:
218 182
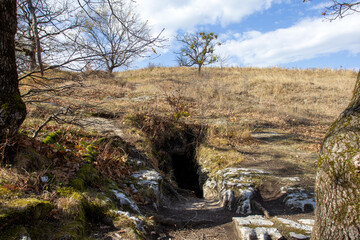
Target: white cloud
307 39
185 15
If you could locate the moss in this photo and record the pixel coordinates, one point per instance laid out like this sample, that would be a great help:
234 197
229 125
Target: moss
127 226
71 229
78 184
23 210
97 207
29 159
42 229
285 230
52 137
10 102
89 175
14 233
213 159
69 192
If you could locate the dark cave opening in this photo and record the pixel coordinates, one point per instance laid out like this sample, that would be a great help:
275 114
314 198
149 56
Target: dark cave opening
186 173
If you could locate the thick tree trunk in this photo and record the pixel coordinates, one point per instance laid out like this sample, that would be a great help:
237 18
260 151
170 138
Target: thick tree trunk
338 177
12 108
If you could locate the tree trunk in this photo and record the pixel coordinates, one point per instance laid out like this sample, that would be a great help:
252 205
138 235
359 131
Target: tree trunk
338 177
12 108
36 39
32 56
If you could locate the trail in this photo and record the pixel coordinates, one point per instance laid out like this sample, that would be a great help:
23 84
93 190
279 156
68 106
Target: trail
195 218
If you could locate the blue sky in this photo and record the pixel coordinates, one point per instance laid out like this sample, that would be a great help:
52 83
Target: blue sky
258 33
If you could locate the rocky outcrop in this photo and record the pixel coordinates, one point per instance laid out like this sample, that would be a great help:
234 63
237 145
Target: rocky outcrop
237 187
259 228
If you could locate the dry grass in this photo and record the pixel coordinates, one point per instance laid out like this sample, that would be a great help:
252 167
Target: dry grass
230 93
232 102
316 94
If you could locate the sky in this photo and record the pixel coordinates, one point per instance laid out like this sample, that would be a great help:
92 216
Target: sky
257 33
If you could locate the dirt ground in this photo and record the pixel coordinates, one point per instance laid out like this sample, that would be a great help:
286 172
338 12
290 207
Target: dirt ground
195 218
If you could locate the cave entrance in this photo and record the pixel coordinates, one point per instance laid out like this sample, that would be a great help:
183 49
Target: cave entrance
186 173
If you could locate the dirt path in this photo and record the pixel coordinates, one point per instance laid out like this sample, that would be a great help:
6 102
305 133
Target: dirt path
195 218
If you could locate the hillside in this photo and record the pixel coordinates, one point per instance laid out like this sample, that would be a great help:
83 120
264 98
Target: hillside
153 153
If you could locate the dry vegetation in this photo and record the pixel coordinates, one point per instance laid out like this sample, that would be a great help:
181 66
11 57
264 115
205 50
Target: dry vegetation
231 105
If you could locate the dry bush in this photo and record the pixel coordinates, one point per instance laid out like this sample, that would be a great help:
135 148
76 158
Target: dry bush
111 161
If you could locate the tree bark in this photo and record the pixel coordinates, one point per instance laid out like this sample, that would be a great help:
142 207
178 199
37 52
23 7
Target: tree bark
36 40
12 108
338 177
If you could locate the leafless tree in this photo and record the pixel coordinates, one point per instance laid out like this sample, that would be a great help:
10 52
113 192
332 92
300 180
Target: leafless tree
44 29
71 35
114 33
340 9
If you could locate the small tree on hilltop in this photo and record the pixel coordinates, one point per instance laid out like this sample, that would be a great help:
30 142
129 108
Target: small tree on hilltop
198 49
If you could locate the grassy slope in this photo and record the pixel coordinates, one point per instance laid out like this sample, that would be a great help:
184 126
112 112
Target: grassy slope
234 103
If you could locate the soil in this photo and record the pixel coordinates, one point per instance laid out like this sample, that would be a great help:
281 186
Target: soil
195 218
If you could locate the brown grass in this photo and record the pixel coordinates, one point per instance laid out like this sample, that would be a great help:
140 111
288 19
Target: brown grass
232 102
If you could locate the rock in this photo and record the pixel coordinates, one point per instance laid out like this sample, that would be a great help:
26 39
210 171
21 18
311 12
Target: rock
299 236
150 179
139 224
293 224
253 220
234 188
310 222
256 227
299 200
126 201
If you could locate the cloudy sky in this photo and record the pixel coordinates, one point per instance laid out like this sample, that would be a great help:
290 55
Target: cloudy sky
261 33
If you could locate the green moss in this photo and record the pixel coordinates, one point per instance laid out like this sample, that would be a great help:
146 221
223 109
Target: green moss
13 112
43 229
71 229
89 174
11 101
69 192
285 230
14 233
128 227
22 211
96 209
52 137
78 184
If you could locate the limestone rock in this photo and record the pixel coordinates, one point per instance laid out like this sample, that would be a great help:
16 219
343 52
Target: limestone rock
126 201
256 227
299 200
234 188
150 179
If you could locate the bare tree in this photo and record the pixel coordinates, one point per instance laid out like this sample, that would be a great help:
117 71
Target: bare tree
115 34
43 32
340 9
12 108
67 35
